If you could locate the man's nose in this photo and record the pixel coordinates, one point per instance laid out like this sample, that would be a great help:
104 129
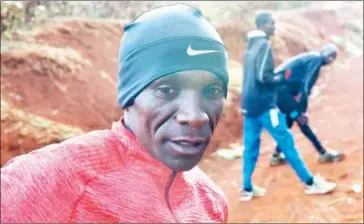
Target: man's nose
191 111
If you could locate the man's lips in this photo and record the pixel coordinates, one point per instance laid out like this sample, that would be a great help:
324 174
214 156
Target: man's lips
189 140
188 146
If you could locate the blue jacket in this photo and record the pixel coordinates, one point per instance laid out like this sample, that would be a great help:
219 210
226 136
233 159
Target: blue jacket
305 70
259 81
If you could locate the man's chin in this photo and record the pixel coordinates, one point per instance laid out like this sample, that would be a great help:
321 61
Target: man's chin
182 165
183 169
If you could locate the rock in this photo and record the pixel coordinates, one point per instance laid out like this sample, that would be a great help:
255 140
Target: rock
344 176
349 201
229 154
356 188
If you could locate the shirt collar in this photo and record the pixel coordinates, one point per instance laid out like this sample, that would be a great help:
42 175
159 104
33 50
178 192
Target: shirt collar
135 148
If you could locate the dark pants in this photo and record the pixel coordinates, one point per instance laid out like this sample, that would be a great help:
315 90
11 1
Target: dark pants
306 130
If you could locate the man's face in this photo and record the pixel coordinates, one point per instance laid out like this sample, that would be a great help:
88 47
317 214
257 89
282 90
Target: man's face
175 116
329 59
270 27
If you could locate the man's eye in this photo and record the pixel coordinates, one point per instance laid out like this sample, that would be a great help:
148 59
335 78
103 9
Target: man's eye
214 92
166 92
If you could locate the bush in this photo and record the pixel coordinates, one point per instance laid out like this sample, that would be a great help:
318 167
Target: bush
21 15
16 15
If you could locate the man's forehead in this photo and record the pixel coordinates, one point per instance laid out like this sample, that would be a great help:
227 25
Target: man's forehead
192 75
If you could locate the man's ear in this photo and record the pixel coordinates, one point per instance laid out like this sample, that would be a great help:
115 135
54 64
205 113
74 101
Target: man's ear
127 122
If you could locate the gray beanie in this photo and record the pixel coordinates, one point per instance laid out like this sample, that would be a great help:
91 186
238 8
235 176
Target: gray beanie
166 40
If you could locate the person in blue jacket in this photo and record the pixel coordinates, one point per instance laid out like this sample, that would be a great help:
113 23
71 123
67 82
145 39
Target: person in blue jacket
293 97
259 108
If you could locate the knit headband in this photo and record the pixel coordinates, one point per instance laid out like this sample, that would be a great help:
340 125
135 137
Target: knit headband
164 41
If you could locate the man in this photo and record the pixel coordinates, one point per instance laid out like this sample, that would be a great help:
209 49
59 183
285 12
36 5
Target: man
260 110
304 70
172 84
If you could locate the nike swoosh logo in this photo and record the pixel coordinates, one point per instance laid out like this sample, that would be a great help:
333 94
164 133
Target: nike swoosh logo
192 52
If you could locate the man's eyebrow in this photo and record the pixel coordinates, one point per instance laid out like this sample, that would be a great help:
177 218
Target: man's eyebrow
169 78
215 80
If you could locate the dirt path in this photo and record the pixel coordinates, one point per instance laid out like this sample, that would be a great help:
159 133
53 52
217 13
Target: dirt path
337 117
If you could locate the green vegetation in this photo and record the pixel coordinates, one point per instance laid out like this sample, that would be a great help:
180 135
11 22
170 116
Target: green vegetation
44 131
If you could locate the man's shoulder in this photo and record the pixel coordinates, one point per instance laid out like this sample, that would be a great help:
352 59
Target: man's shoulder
94 140
82 157
307 57
293 62
256 41
100 142
263 42
99 151
56 175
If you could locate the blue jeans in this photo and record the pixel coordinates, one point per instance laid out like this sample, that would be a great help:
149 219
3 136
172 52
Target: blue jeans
275 123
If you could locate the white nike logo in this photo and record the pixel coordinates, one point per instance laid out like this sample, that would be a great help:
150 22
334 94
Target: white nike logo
192 52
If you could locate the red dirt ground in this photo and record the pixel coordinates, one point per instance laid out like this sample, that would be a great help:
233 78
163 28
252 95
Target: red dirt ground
337 117
90 103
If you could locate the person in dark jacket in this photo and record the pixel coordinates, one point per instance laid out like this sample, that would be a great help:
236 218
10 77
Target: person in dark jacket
259 107
304 70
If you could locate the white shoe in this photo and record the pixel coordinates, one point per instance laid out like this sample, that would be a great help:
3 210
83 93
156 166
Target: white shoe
331 156
248 195
320 186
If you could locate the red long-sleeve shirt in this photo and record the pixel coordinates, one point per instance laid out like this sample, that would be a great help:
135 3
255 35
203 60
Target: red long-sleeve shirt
105 176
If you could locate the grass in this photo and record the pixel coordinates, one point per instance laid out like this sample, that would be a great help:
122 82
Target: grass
41 129
49 57
355 25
